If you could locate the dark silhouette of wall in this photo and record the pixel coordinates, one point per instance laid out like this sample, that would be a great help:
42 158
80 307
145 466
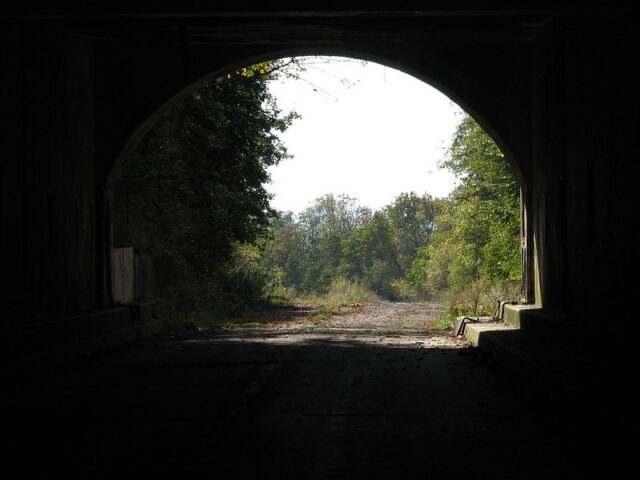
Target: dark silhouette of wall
552 86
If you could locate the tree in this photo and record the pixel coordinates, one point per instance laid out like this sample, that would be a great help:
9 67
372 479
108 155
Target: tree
193 191
369 254
285 249
416 244
478 227
412 219
325 224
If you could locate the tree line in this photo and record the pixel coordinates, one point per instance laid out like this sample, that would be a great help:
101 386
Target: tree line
416 246
192 197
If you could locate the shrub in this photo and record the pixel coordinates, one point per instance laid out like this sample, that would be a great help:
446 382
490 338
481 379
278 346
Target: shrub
341 292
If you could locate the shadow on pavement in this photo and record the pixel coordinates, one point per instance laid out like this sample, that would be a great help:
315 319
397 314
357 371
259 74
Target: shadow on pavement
305 405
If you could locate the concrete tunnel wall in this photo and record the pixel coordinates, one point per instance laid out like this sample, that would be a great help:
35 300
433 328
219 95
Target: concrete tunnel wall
551 89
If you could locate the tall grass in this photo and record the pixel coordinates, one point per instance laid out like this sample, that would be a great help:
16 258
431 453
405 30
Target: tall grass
477 300
341 292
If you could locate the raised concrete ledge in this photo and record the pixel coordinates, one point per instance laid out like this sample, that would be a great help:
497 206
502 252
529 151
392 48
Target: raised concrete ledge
534 347
541 324
473 331
514 313
55 343
503 343
69 330
65 354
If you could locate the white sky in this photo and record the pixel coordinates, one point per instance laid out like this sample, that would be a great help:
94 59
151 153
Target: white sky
372 140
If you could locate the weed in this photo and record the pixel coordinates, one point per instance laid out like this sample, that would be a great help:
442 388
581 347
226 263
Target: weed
479 299
341 292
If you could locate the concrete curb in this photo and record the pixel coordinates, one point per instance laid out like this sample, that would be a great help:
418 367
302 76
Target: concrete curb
81 336
534 348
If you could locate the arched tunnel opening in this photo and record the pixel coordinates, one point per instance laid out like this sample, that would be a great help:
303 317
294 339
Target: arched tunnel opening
193 224
355 389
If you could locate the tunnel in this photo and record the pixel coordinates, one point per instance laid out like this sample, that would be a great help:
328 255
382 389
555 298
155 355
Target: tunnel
551 85
85 89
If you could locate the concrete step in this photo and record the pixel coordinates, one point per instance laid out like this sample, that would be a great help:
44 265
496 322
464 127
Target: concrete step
51 344
63 354
537 322
535 348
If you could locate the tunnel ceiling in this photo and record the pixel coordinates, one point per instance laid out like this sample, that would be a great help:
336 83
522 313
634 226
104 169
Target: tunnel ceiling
307 28
455 49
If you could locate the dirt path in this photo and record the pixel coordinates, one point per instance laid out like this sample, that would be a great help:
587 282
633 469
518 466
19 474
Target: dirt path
381 323
387 316
407 317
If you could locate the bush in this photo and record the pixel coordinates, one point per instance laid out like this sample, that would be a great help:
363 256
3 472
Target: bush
342 292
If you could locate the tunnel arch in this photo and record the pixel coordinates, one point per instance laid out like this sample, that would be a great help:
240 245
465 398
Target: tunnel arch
154 118
529 281
539 80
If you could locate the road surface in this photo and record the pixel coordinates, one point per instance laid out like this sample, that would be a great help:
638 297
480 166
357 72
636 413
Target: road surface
367 394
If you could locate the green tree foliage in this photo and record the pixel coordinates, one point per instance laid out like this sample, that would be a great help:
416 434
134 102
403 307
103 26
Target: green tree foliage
478 226
338 238
286 249
412 219
193 190
416 244
369 254
318 232
192 197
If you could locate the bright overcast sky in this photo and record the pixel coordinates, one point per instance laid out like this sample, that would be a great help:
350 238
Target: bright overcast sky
373 140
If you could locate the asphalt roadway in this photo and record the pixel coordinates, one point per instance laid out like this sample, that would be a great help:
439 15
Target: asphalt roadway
308 404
